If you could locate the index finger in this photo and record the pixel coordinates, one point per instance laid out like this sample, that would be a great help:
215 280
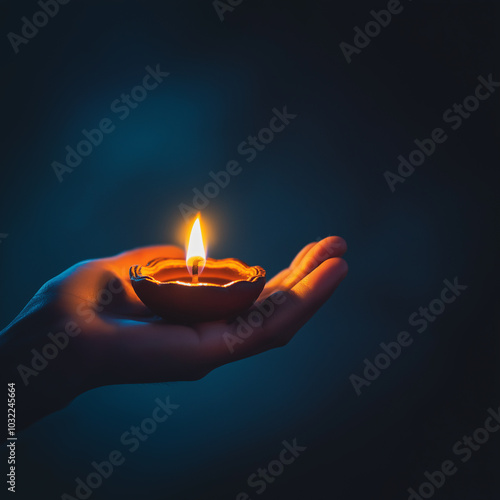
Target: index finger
258 331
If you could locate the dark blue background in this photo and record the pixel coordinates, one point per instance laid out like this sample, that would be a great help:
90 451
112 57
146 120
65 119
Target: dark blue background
323 175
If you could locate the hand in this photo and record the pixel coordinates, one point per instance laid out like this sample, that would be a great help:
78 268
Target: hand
101 333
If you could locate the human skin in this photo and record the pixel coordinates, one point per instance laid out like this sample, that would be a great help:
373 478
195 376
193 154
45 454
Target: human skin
120 341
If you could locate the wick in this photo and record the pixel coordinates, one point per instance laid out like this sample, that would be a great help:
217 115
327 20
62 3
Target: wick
195 271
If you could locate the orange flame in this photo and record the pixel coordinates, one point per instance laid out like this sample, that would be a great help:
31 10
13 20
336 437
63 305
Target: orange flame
196 249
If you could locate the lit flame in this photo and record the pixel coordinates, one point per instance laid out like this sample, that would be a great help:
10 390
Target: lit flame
196 249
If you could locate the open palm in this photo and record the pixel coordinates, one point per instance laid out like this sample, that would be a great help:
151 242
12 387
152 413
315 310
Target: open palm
114 338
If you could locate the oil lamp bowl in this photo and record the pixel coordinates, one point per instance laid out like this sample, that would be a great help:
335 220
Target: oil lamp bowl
226 288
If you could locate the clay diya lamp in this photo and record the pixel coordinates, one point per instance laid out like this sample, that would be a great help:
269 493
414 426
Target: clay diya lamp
197 289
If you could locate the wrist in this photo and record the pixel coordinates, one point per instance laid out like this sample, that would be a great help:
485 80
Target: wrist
44 380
